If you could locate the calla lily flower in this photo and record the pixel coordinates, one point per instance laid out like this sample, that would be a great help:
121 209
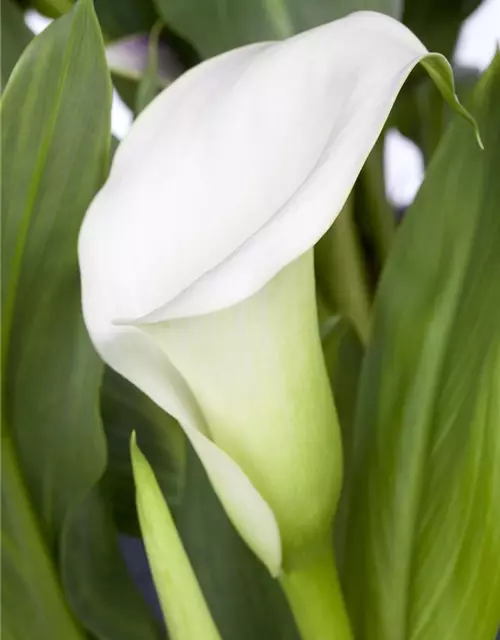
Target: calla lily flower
196 260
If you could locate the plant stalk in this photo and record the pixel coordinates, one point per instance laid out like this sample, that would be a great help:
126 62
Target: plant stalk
315 598
341 272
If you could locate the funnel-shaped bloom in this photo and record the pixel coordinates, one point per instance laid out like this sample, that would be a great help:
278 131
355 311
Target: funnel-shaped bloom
231 174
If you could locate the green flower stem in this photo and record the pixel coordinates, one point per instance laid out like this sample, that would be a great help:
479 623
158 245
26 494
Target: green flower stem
315 598
341 272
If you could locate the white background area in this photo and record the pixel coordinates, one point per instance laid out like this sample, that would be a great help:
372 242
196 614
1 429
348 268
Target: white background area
403 162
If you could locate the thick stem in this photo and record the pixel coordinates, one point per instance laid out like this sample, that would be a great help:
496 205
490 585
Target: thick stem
341 272
314 595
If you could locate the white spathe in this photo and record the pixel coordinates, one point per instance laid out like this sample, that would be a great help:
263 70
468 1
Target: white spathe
258 375
232 173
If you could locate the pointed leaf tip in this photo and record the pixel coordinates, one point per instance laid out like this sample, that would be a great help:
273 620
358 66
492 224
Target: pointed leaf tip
439 69
183 604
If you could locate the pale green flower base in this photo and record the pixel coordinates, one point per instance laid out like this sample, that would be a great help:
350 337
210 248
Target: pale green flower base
315 598
267 429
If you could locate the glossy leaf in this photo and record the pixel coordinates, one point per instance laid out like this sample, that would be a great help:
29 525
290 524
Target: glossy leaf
213 28
15 37
424 529
55 141
34 426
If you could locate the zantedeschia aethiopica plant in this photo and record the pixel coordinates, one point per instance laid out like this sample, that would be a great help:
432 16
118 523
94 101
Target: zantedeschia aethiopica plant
197 269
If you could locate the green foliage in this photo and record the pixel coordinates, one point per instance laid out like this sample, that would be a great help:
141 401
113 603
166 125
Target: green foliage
341 273
55 135
213 28
54 168
119 18
179 593
33 605
419 113
424 516
96 581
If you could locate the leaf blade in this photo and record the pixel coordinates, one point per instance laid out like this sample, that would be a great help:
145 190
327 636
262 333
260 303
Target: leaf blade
425 495
183 605
55 145
28 611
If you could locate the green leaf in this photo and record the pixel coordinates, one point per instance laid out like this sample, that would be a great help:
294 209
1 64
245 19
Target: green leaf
34 277
420 113
126 409
185 610
53 8
15 37
424 529
55 144
245 601
96 578
33 605
212 27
